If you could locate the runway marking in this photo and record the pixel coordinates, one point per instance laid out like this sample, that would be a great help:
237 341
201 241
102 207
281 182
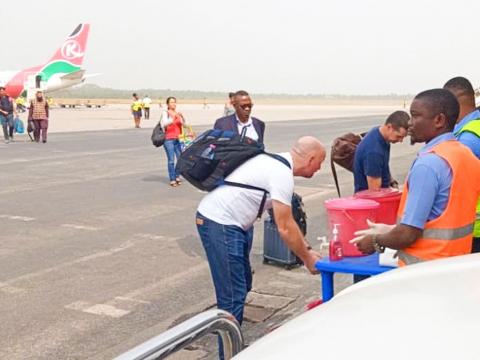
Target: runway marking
16 217
97 309
107 310
122 298
80 227
6 288
78 305
126 245
69 155
151 236
170 281
62 182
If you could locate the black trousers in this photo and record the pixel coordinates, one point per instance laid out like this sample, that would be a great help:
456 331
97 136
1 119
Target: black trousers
476 245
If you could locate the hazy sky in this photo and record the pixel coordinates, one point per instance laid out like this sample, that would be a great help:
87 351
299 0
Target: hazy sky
301 46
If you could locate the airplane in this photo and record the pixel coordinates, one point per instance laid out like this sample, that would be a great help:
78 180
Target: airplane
61 71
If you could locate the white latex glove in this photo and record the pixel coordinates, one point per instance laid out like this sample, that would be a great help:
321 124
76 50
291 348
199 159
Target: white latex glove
374 229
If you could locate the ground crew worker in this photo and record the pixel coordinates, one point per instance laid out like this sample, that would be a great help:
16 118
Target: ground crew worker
467 131
20 101
146 106
437 210
136 110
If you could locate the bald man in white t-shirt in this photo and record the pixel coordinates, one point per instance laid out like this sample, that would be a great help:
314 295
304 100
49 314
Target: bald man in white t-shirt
226 215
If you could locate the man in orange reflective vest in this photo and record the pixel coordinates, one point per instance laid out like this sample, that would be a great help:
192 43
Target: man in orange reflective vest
437 210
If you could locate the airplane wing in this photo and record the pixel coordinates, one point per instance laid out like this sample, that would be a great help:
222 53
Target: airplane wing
76 75
88 76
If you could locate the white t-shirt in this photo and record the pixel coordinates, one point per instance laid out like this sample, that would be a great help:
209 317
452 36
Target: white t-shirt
250 129
230 205
147 101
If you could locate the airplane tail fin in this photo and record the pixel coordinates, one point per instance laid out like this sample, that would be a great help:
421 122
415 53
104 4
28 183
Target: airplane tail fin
73 48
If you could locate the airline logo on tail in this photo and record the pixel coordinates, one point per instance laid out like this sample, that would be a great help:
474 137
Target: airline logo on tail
61 71
71 49
69 57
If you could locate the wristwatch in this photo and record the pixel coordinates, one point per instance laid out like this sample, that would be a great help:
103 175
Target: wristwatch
378 248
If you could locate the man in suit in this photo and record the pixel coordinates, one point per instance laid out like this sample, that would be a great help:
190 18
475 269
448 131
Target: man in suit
241 121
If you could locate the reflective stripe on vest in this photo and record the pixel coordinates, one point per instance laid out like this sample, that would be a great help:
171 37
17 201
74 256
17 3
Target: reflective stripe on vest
448 234
407 258
473 127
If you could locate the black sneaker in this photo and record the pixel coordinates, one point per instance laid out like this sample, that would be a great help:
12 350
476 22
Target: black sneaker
44 141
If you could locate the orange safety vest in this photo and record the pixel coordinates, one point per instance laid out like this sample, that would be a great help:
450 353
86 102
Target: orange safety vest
451 233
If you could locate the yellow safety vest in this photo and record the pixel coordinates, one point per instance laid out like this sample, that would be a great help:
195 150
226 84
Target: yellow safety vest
137 105
474 128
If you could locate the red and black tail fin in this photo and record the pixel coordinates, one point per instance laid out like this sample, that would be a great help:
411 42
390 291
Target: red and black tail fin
73 48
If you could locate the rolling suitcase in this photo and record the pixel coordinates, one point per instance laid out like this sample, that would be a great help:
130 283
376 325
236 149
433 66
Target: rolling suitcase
274 249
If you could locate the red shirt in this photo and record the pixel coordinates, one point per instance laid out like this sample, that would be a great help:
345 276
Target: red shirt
174 129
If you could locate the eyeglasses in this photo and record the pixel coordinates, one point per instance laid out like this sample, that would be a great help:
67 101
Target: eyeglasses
246 106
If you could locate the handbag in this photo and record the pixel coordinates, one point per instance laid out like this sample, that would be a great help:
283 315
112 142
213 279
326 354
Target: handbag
186 136
30 126
19 127
158 135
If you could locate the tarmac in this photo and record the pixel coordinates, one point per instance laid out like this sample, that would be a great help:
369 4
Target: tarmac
118 116
99 254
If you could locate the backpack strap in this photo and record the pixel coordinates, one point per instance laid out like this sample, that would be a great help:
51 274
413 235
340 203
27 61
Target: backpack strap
279 158
251 187
335 177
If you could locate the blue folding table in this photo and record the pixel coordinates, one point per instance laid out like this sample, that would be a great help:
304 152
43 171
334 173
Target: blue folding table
361 265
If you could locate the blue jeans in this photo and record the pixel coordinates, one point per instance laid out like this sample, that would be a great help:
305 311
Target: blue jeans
8 125
228 253
173 150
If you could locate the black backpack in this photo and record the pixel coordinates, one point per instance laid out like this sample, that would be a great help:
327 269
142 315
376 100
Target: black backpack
215 154
298 213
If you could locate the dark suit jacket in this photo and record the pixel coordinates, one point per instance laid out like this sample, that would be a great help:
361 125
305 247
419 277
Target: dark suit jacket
229 123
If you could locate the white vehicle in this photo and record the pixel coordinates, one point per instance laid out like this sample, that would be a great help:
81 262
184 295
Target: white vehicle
424 311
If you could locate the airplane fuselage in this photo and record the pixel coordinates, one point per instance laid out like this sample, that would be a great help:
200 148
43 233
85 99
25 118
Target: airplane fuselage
61 71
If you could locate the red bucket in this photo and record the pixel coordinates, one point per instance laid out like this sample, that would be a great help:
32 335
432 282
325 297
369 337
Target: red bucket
350 214
389 200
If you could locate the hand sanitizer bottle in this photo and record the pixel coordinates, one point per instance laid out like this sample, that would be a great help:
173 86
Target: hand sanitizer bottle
336 248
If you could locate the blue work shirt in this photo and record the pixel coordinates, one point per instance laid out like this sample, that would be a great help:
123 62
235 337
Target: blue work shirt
467 138
371 159
429 182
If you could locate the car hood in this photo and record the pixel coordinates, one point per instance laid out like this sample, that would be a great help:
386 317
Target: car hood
428 310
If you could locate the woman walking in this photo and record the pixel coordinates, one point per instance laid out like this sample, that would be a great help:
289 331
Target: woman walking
172 121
